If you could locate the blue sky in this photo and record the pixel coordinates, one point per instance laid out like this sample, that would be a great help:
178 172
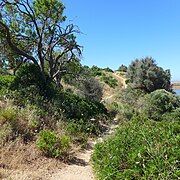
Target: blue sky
118 31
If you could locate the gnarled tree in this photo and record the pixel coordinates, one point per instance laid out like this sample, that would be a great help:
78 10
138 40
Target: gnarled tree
35 30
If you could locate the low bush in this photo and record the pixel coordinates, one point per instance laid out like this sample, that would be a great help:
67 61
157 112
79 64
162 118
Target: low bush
108 70
131 96
96 71
121 111
64 106
172 116
140 149
92 89
51 144
75 107
5 81
111 81
159 102
23 122
87 126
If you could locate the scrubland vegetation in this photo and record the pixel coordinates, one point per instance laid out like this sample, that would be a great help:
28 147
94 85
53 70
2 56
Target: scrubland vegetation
146 144
49 99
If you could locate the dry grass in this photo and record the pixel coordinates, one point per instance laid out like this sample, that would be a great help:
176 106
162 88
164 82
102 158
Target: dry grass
17 158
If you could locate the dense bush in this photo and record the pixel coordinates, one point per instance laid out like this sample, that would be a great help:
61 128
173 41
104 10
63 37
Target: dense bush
144 74
172 116
63 106
29 75
51 144
110 80
155 104
122 68
5 81
91 89
130 96
140 149
3 71
96 71
76 107
108 70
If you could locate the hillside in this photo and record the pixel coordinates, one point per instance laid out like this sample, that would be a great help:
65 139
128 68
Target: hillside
24 160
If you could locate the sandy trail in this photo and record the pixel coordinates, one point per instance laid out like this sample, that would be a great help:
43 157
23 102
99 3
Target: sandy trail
80 169
121 80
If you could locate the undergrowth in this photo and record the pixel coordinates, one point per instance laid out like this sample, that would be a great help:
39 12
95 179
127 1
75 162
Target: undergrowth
140 149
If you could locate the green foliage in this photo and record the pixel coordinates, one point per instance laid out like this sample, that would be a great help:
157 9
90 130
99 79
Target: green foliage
34 26
172 116
91 89
51 144
155 104
5 81
130 96
73 72
96 71
140 149
76 107
144 74
29 79
91 126
122 68
3 71
81 78
111 81
18 122
108 70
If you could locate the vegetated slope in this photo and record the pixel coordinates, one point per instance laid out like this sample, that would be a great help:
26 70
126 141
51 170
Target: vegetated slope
20 160
140 149
108 91
146 145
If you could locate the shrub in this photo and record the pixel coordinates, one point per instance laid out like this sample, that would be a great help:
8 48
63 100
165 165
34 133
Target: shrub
6 80
144 74
111 81
121 111
51 144
172 116
108 70
96 71
140 149
122 68
159 102
131 96
75 107
29 77
22 122
86 126
92 89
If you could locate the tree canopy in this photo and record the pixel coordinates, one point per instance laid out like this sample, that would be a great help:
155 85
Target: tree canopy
144 74
36 31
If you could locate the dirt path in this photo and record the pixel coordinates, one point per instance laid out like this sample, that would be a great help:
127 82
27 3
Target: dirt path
121 80
81 169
